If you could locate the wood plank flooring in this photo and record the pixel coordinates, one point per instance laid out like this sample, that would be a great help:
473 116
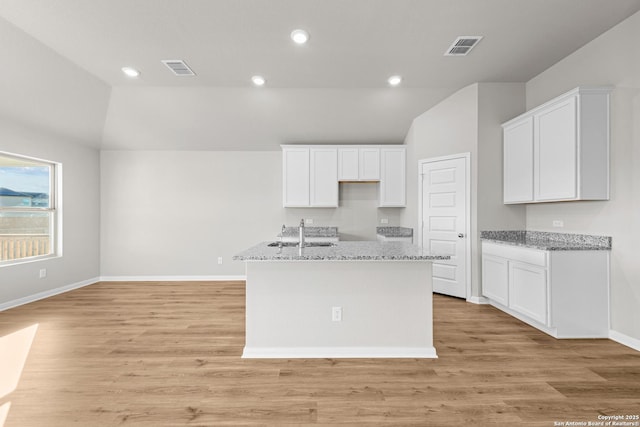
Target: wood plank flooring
168 354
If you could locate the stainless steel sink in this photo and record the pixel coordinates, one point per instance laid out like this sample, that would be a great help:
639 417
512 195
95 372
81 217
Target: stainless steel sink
306 244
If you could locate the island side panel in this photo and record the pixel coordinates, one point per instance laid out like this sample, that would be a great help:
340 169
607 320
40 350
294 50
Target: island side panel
386 309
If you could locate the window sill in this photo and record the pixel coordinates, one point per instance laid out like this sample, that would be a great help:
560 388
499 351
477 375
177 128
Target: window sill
12 262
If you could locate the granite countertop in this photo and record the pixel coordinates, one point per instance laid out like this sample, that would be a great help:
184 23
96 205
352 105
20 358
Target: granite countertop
341 251
394 231
549 241
310 232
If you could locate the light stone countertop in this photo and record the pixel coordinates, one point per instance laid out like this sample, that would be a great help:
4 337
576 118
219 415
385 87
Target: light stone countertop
394 231
341 251
310 232
548 241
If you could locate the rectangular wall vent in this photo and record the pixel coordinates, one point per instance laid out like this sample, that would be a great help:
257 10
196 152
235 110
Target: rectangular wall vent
178 67
462 45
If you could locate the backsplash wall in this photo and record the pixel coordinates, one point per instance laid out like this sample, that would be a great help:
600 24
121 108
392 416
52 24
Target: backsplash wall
356 217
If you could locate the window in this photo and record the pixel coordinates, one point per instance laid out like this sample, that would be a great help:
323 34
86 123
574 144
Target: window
28 212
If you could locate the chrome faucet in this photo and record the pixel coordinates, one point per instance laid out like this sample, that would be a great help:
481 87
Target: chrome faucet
281 238
301 234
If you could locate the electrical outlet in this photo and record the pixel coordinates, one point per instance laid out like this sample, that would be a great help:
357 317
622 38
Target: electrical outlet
384 221
43 273
336 314
308 221
558 223
219 260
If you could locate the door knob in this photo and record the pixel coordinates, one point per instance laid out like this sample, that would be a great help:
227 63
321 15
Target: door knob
460 235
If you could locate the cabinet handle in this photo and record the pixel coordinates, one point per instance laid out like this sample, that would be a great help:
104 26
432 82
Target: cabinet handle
460 235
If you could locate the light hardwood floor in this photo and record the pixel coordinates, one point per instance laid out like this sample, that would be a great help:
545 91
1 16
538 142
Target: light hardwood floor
168 354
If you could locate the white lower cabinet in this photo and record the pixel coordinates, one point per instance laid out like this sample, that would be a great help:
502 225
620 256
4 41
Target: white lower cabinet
403 239
528 290
562 293
495 278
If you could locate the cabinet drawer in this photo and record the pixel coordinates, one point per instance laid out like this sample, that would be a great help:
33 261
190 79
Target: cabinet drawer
516 253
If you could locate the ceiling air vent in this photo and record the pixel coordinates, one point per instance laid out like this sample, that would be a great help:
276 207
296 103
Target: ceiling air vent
462 45
178 67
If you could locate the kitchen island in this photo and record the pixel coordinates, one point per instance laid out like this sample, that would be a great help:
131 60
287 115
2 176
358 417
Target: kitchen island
350 299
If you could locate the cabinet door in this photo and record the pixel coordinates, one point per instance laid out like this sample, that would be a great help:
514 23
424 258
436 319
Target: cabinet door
528 290
369 164
392 177
324 177
295 177
348 160
495 279
555 150
518 162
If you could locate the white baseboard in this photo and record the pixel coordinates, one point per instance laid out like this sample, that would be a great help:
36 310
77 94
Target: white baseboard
478 300
172 278
338 352
623 339
46 294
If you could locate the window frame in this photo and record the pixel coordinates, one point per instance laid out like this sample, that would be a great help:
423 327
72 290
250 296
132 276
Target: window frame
55 228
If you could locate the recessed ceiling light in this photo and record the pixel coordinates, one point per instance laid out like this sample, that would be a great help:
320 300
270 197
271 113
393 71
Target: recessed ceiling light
395 80
299 36
258 80
130 72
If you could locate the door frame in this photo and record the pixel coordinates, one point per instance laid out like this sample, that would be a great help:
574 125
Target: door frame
467 232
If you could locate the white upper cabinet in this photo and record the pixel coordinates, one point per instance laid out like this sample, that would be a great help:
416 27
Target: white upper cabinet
295 176
311 173
369 164
348 164
393 177
559 151
359 164
323 177
310 176
518 162
555 142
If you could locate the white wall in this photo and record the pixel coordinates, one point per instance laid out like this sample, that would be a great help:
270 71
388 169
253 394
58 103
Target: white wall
243 118
469 121
173 213
612 59
448 128
80 213
497 103
43 90
52 109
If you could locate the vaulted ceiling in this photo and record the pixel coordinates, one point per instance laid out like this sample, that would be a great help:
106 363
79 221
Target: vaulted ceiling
332 90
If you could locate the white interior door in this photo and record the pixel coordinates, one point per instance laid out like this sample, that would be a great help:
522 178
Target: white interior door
444 215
